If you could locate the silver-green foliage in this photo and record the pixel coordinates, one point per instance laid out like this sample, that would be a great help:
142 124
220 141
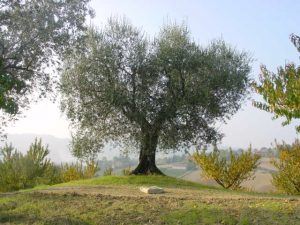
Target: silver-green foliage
166 91
34 36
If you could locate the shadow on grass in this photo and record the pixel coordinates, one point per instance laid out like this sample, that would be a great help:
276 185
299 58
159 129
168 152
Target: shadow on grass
245 216
65 221
17 218
30 219
8 215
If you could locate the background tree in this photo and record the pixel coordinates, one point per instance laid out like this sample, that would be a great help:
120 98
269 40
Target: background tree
163 93
281 90
34 36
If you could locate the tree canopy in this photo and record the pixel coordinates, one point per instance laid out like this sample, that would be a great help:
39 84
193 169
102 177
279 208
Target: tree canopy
281 90
166 91
34 36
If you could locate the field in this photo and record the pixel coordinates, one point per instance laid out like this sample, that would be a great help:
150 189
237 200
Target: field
117 200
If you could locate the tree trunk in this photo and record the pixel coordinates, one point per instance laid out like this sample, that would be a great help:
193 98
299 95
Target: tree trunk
147 164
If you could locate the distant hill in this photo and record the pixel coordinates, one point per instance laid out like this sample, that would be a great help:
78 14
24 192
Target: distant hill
58 147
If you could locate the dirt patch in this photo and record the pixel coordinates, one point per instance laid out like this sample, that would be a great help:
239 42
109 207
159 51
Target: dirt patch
134 192
125 204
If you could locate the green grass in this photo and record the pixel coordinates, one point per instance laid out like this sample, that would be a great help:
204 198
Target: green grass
163 181
200 204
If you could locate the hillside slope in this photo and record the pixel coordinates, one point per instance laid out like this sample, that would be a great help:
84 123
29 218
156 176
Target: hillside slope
117 200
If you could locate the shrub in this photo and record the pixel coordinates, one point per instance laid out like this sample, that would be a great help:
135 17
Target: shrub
12 175
287 178
91 169
54 174
19 171
108 171
77 171
228 172
126 171
73 171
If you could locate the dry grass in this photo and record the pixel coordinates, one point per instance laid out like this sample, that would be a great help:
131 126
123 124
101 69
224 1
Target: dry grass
114 203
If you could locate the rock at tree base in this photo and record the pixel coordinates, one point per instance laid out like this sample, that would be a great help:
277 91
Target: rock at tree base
152 190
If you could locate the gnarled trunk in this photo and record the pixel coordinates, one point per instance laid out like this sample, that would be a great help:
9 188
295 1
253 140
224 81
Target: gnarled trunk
147 164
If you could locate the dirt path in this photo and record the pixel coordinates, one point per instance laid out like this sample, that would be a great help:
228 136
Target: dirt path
133 191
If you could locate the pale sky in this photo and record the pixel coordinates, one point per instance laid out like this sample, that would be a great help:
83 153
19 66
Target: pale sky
259 27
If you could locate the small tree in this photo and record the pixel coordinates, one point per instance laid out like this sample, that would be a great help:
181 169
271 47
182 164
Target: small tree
163 93
281 90
231 172
287 177
37 163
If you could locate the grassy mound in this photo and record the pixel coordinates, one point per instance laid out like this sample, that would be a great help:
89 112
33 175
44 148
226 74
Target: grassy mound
163 181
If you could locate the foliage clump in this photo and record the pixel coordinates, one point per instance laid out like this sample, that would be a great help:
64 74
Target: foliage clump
228 172
108 171
18 171
77 171
126 171
287 178
36 35
281 90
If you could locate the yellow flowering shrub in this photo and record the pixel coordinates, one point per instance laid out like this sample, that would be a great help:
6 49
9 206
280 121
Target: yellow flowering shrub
287 178
229 172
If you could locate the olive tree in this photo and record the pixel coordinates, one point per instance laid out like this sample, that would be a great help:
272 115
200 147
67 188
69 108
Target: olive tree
155 94
34 36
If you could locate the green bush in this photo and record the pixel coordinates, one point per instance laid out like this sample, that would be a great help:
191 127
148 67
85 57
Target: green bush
228 172
18 171
108 171
287 178
91 169
73 171
77 171
54 174
12 176
126 171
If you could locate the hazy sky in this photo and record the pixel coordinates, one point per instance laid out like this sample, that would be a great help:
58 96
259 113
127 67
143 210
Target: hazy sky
259 27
